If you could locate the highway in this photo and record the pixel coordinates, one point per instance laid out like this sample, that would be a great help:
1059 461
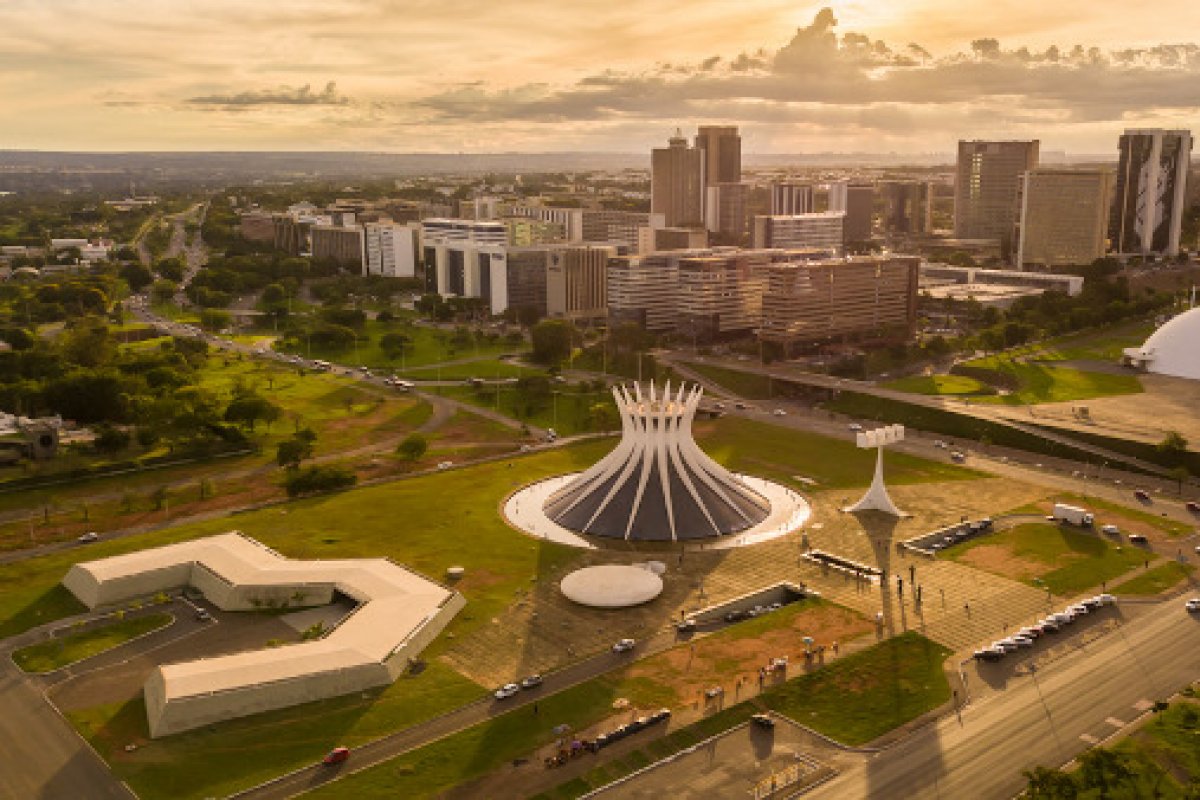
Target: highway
1047 718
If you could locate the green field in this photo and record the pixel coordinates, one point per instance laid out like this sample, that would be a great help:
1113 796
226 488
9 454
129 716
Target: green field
1168 526
1063 560
855 699
1100 345
58 652
486 368
939 384
215 761
1155 580
429 346
568 411
1039 382
749 385
782 454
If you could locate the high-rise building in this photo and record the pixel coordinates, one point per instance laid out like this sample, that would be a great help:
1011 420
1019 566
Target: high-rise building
1064 216
340 244
725 209
801 231
722 148
577 282
644 290
907 207
257 226
1147 216
986 185
840 300
389 249
619 227
789 199
721 294
857 202
450 253
677 183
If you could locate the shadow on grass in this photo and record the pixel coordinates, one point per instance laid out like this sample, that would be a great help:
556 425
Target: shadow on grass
53 604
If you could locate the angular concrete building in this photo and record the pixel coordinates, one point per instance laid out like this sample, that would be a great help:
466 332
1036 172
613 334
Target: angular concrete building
399 613
657 484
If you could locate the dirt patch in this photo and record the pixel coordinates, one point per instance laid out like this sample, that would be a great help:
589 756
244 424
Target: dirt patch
1000 560
723 660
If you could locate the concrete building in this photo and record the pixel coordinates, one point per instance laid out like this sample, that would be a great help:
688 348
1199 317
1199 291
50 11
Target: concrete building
789 199
343 245
939 275
664 239
577 282
620 227
570 220
449 251
862 299
987 182
1147 217
721 294
644 290
257 226
823 229
530 232
722 148
399 613
907 207
677 183
725 209
857 202
515 277
390 249
1064 217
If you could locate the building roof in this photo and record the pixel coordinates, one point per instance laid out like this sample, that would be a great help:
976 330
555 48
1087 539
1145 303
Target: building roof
394 604
1172 350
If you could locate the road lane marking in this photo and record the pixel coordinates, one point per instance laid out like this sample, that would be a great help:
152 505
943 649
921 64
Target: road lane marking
1116 723
1087 737
1143 705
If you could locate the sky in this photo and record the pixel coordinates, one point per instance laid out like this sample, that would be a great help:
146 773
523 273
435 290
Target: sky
872 76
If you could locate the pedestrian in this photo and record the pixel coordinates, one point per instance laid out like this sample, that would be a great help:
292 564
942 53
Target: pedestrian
912 572
535 709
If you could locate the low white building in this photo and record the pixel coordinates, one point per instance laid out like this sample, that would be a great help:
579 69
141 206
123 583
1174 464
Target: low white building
389 249
399 614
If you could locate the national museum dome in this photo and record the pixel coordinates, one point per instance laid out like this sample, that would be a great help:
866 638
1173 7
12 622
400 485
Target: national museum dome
1173 349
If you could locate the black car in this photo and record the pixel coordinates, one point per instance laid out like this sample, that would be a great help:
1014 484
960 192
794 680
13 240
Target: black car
763 720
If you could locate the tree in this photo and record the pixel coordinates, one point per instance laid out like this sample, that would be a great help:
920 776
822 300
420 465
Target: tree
163 291
248 408
1049 784
215 319
413 447
290 452
1104 770
318 479
552 341
602 416
393 344
137 276
110 440
1173 447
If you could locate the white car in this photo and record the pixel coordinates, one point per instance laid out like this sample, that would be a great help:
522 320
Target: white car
1193 605
1111 530
779 412
624 646
89 537
445 465
854 426
1106 599
506 691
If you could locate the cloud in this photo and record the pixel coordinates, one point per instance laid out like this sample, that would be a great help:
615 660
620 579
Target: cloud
280 96
876 87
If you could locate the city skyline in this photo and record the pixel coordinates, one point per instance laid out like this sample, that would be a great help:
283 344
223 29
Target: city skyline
413 77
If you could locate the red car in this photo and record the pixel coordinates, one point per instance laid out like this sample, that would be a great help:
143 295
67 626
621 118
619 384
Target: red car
1193 507
336 756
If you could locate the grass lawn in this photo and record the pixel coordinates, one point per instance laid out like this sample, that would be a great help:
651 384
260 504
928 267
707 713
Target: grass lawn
745 384
487 368
568 412
782 453
1166 525
1063 560
1155 580
856 699
61 651
939 384
1041 383
429 346
1100 345
216 761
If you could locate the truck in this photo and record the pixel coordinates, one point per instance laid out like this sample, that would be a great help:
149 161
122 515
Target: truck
1073 514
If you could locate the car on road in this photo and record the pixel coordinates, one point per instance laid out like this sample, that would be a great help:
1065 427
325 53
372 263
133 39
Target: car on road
1137 538
1142 494
1111 530
202 615
1004 646
88 538
1107 599
1192 506
686 625
532 682
938 443
740 406
779 412
958 457
720 406
1049 625
989 654
763 720
1079 609
506 691
854 426
336 756
624 645
445 464
1193 605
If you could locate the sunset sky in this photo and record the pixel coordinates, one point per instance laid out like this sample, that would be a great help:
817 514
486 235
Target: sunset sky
547 75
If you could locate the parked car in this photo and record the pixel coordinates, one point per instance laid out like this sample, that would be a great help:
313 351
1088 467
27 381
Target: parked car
336 756
532 681
958 457
1137 538
1107 599
445 465
686 625
854 426
1192 605
779 412
989 654
1111 530
89 537
940 444
624 645
763 720
1049 625
1192 506
506 691
740 406
202 615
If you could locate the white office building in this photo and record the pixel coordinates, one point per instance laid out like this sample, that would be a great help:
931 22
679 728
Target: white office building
821 230
389 249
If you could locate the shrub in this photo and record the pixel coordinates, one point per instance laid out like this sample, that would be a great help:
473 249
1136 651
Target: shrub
318 479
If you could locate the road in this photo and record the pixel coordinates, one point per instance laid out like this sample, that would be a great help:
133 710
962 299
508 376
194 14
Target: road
55 763
1045 719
